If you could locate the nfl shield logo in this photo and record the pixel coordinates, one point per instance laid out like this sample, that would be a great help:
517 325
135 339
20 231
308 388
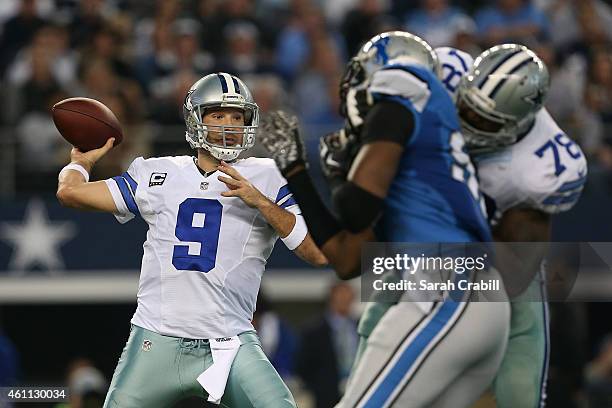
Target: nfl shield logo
204 185
146 345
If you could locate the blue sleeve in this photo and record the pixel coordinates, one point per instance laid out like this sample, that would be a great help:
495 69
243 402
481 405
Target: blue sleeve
567 194
284 198
123 189
127 186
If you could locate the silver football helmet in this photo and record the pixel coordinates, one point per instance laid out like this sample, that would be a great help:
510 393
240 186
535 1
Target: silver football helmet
383 49
499 97
220 90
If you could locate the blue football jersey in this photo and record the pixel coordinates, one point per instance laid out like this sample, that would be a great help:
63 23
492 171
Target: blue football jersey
435 195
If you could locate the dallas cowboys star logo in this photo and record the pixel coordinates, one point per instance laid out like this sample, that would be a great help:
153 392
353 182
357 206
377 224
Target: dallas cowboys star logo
36 241
536 98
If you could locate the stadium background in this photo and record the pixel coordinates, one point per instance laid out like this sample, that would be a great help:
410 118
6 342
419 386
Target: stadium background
68 279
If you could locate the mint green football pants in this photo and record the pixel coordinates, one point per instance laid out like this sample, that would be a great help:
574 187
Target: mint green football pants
521 379
156 371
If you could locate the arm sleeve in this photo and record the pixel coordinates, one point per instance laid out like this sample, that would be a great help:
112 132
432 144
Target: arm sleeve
389 121
123 188
358 209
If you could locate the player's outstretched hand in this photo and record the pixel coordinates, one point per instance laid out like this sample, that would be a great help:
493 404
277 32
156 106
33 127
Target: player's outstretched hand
240 186
336 153
89 158
279 134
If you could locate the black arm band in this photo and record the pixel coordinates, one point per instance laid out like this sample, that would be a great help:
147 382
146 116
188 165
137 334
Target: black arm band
388 121
358 209
322 225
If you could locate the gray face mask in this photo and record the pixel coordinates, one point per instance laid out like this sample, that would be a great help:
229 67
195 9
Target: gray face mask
500 96
221 90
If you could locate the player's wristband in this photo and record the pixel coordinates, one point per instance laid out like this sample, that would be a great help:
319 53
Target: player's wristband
297 234
77 167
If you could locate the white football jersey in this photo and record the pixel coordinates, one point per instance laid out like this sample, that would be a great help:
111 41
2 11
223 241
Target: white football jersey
454 64
205 254
545 170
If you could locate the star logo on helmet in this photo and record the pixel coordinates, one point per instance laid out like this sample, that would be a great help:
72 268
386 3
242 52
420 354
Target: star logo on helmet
536 98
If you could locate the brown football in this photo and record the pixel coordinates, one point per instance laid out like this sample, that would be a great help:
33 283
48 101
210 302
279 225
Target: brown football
86 123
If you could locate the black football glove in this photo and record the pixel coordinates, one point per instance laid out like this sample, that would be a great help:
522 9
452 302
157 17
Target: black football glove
336 153
279 134
358 102
355 100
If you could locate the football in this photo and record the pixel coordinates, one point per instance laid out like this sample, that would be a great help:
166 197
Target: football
86 123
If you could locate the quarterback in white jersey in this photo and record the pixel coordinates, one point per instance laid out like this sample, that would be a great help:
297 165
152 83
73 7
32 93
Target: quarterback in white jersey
212 226
205 253
528 169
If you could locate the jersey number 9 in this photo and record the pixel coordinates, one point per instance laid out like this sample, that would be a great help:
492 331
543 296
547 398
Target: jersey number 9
198 221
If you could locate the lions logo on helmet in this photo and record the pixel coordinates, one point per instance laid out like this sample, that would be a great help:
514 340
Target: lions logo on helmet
393 47
220 90
500 96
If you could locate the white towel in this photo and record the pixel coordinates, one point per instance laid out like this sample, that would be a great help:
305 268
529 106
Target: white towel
214 378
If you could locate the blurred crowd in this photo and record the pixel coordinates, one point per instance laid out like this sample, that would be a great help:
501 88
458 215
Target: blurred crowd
140 57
